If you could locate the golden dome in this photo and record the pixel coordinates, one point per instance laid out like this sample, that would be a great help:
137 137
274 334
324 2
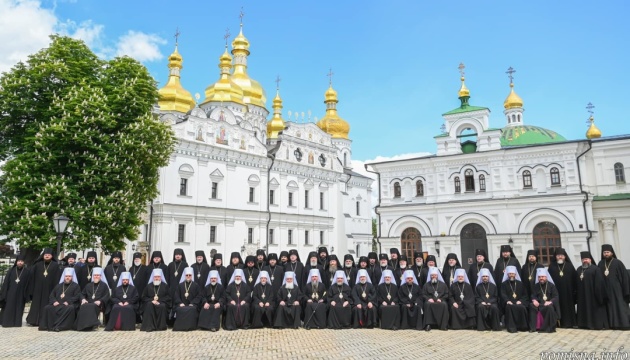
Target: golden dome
253 92
513 100
463 90
173 97
224 89
276 124
593 132
331 122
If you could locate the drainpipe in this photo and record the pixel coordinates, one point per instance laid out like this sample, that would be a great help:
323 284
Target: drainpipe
271 154
378 236
590 233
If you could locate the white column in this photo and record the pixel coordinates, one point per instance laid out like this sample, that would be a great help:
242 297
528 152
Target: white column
609 226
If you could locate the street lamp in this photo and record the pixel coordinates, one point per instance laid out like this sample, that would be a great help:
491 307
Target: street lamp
60 222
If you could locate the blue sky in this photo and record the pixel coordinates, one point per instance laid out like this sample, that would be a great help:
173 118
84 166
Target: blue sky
394 63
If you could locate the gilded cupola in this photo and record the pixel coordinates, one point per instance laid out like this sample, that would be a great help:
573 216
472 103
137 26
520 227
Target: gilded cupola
225 89
173 96
331 122
253 93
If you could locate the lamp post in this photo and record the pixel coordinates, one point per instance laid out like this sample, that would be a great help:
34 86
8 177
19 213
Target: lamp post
60 222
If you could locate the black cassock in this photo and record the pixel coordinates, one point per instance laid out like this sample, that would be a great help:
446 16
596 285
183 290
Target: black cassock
591 299
462 317
550 313
288 315
487 302
351 275
251 275
339 316
516 318
435 313
502 264
140 276
112 273
44 278
298 268
410 316
237 314
210 318
201 273
223 273
190 295
618 292
565 277
175 271
154 316
62 316
262 315
315 306
364 294
276 274
378 272
388 306
87 317
84 274
123 317
473 271
13 296
417 271
528 275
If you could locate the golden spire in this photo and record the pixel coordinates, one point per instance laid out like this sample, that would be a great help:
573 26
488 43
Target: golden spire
276 124
463 93
173 97
513 100
593 132
225 89
253 93
331 122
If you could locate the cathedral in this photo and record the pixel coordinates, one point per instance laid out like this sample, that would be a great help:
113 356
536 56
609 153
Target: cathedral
518 184
238 182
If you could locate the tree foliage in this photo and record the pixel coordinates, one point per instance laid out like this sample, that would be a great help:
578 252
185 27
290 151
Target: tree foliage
79 138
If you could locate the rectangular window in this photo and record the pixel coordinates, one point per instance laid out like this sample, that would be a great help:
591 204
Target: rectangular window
183 187
290 199
250 235
213 234
181 233
215 190
251 194
306 199
321 200
271 236
321 238
305 237
271 193
290 237
482 183
358 208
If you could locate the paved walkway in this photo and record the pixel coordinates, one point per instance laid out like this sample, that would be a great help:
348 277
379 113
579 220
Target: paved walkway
29 343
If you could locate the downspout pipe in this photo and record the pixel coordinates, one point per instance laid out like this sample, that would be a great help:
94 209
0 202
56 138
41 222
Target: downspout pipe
378 235
271 154
586 196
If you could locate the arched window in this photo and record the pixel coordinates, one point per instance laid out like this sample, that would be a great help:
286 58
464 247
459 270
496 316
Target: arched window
546 238
458 185
527 179
410 241
419 188
345 160
555 176
620 176
396 189
470 180
519 117
482 182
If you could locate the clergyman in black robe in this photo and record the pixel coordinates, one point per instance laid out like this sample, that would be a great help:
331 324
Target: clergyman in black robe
186 302
387 300
156 302
435 296
275 271
329 273
617 289
201 268
294 264
45 274
364 263
417 268
157 262
14 294
450 265
528 271
545 308
60 313
315 307
289 307
217 264
591 295
312 262
349 267
237 299
263 302
251 271
430 262
124 305
212 303
236 262
94 300
139 277
365 304
114 268
84 273
565 278
379 268
506 259
482 263
261 259
176 269
339 303
487 301
462 302
515 302
410 299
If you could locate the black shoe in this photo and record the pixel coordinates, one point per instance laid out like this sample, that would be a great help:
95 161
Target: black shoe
531 331
56 330
427 328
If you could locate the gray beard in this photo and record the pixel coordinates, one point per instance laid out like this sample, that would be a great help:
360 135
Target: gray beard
560 262
213 283
313 263
157 283
289 286
333 268
238 282
434 281
137 263
460 281
585 265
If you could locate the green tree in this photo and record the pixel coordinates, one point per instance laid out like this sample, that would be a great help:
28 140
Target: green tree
374 235
79 139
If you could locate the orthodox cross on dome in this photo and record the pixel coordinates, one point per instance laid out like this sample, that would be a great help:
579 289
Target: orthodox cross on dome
510 71
278 82
241 15
461 68
177 33
226 36
590 108
443 128
330 76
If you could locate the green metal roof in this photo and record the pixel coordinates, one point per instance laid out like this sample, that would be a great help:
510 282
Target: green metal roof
465 109
621 196
528 135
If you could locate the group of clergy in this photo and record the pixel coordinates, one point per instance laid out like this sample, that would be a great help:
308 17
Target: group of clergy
282 292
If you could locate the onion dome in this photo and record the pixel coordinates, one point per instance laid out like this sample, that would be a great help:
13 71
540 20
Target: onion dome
276 124
593 132
331 123
253 93
513 100
173 97
224 90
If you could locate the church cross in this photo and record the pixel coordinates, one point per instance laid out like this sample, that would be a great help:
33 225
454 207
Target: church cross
510 71
461 68
330 76
226 36
278 82
242 14
177 33
590 108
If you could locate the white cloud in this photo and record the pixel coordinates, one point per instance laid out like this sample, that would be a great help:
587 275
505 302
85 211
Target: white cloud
140 46
25 29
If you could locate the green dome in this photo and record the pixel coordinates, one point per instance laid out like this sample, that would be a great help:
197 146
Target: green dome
528 135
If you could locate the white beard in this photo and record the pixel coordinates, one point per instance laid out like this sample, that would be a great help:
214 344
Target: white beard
387 282
363 282
313 263
333 268
137 262
157 283
433 281
289 286
418 264
213 283
238 282
348 266
460 281
560 262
